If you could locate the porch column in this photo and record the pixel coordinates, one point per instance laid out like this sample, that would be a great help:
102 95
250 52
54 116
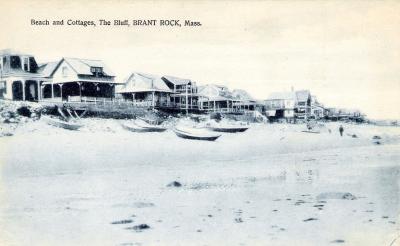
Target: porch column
52 90
112 92
41 91
38 90
61 85
80 90
97 89
153 99
23 89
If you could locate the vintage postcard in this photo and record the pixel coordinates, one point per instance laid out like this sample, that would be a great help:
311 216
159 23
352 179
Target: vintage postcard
200 122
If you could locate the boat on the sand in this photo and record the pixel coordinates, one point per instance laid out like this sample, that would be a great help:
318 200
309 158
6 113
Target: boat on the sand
142 126
195 134
70 125
311 131
227 127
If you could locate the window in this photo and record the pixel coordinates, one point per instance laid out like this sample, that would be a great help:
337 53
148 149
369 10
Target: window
26 63
15 62
5 64
3 88
32 65
96 70
65 72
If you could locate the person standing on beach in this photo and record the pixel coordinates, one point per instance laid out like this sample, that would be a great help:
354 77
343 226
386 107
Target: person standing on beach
341 129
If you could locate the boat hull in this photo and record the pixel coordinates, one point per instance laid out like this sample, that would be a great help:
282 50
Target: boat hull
229 129
62 124
187 135
315 132
136 128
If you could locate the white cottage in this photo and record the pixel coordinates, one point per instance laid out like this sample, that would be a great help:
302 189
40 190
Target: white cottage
74 79
146 90
281 105
184 96
216 98
243 100
20 78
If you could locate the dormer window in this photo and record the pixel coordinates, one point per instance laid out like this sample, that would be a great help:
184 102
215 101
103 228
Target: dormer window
15 62
97 71
32 65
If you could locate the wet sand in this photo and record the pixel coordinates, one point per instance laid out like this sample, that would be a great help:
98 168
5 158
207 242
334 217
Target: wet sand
271 185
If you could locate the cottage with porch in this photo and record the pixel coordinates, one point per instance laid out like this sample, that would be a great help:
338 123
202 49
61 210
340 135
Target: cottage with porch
280 105
145 90
243 100
317 109
216 98
78 80
184 96
303 104
20 78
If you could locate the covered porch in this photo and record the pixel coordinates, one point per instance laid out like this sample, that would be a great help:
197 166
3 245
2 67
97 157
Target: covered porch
149 98
185 101
222 105
21 89
241 105
78 91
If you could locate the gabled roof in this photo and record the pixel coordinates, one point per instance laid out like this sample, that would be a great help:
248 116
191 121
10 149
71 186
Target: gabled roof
83 66
47 69
282 96
220 92
303 95
242 95
141 82
176 80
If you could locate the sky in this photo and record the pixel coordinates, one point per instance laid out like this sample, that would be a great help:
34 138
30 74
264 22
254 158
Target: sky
347 53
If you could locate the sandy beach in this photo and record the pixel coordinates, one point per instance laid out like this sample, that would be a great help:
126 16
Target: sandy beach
271 185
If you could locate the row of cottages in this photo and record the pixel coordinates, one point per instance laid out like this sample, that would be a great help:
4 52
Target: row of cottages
344 114
70 79
84 80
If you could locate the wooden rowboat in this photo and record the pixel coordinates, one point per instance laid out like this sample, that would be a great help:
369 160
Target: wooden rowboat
228 128
142 127
311 131
195 134
70 125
